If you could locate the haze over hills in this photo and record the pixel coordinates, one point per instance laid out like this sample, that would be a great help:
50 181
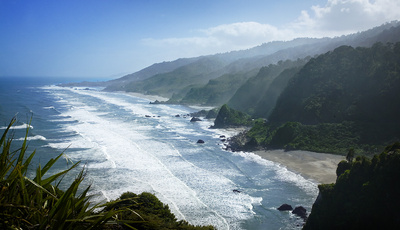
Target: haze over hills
321 95
179 79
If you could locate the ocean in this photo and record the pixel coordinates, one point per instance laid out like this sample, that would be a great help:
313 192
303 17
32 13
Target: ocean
127 144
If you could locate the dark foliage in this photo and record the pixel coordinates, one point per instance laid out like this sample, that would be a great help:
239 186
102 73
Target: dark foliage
228 117
365 195
252 93
325 137
147 212
347 84
344 98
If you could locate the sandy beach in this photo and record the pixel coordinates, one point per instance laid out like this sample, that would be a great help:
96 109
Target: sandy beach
320 167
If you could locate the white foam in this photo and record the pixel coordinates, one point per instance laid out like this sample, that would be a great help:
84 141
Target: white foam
116 101
282 173
32 138
23 126
122 156
123 150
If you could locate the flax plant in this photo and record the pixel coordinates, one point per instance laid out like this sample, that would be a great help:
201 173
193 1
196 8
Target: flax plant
38 203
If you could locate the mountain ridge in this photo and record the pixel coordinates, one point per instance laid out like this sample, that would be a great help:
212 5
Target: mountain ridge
243 61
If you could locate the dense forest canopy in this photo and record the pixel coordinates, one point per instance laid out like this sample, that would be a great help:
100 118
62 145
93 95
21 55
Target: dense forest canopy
269 82
358 84
365 195
346 98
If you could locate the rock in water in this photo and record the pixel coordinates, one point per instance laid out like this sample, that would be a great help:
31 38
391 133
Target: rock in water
194 119
285 207
200 141
300 211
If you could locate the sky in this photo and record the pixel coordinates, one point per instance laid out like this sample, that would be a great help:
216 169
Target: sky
112 38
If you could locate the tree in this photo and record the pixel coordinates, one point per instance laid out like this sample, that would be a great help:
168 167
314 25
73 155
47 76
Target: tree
350 155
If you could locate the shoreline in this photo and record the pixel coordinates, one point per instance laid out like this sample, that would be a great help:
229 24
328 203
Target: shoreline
152 98
319 167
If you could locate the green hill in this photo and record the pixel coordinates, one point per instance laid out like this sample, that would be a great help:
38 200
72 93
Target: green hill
217 91
248 97
349 97
268 100
358 84
365 195
228 118
166 84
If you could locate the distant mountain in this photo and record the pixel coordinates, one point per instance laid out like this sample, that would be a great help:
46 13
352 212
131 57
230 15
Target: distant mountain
184 78
158 68
173 82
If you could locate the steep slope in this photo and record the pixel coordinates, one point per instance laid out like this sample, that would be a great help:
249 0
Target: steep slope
361 84
365 195
178 77
157 68
349 97
258 95
268 99
217 91
248 96
166 84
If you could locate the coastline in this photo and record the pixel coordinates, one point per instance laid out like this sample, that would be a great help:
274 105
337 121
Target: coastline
319 167
152 98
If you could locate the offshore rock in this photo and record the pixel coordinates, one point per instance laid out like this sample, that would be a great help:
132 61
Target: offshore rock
194 119
301 212
285 207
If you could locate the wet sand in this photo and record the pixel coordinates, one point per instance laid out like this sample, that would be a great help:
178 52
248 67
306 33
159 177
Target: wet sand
320 167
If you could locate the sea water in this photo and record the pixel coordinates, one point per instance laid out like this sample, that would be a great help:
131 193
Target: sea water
127 144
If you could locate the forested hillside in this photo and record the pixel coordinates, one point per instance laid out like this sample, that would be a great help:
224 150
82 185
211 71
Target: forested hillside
335 92
349 97
254 91
217 91
365 195
358 84
184 79
166 84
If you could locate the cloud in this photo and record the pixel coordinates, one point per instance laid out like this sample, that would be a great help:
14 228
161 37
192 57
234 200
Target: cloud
347 16
336 18
223 38
238 33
